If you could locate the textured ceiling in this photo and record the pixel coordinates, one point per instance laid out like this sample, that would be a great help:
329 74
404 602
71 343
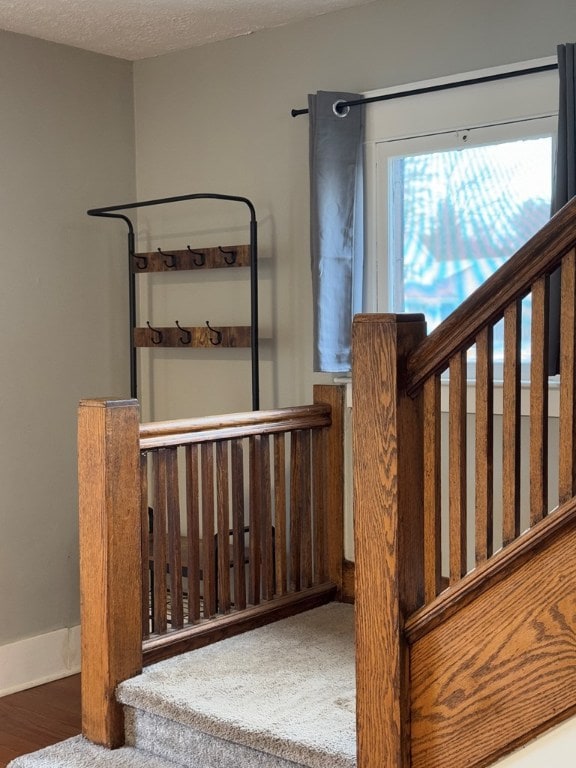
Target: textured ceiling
137 29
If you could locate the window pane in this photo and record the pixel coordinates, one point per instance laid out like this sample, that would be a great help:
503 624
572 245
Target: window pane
459 215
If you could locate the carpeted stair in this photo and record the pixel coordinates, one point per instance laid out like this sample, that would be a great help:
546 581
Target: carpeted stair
282 696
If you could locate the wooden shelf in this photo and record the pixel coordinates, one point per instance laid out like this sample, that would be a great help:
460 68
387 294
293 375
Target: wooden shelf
197 258
199 337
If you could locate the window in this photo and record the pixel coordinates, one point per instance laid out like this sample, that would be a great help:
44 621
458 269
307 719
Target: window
457 180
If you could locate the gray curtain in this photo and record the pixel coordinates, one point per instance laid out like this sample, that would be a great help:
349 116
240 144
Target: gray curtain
564 184
336 225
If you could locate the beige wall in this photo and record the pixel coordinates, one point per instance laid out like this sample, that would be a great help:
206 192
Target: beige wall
217 118
66 144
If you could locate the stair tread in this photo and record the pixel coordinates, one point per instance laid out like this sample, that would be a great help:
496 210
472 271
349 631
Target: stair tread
286 689
77 752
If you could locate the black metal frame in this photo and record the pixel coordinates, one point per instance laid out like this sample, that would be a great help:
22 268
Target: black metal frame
111 212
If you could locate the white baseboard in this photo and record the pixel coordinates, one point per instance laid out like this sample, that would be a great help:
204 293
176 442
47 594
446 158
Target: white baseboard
38 660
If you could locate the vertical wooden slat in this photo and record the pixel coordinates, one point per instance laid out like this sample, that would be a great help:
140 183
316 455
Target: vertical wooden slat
238 549
110 568
208 544
223 534
333 479
484 445
266 520
511 423
159 541
174 539
280 512
457 467
254 580
388 532
319 475
296 506
193 533
306 516
432 489
567 421
539 402
145 545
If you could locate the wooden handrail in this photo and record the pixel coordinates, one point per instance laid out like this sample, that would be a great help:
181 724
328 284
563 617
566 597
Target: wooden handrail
539 256
163 434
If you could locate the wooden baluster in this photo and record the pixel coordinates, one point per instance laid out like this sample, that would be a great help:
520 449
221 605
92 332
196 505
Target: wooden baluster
484 445
539 402
567 421
223 534
254 580
296 507
208 553
306 511
266 520
238 548
145 545
193 535
457 467
319 474
333 480
159 541
110 561
511 423
174 539
432 489
280 512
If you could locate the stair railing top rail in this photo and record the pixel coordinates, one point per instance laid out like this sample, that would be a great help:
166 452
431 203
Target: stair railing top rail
162 434
486 305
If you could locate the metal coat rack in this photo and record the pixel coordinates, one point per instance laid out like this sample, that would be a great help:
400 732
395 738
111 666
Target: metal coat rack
198 258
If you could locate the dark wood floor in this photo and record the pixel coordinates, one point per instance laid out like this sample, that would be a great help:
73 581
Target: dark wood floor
32 719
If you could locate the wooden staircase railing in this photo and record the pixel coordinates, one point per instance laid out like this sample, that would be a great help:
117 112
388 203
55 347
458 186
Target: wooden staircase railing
194 530
427 518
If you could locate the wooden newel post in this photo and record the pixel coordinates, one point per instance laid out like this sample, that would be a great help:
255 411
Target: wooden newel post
110 572
388 532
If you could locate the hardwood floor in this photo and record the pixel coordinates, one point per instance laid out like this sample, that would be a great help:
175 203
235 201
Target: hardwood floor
32 719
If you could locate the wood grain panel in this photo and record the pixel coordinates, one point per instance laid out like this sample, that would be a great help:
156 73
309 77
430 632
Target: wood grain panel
500 670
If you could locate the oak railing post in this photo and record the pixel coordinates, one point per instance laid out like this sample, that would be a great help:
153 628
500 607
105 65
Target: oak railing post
388 531
110 575
335 396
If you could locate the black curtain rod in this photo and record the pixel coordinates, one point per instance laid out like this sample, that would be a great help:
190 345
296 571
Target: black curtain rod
342 105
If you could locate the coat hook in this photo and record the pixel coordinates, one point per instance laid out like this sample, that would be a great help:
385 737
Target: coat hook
187 338
141 261
218 335
157 336
202 261
232 254
170 264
